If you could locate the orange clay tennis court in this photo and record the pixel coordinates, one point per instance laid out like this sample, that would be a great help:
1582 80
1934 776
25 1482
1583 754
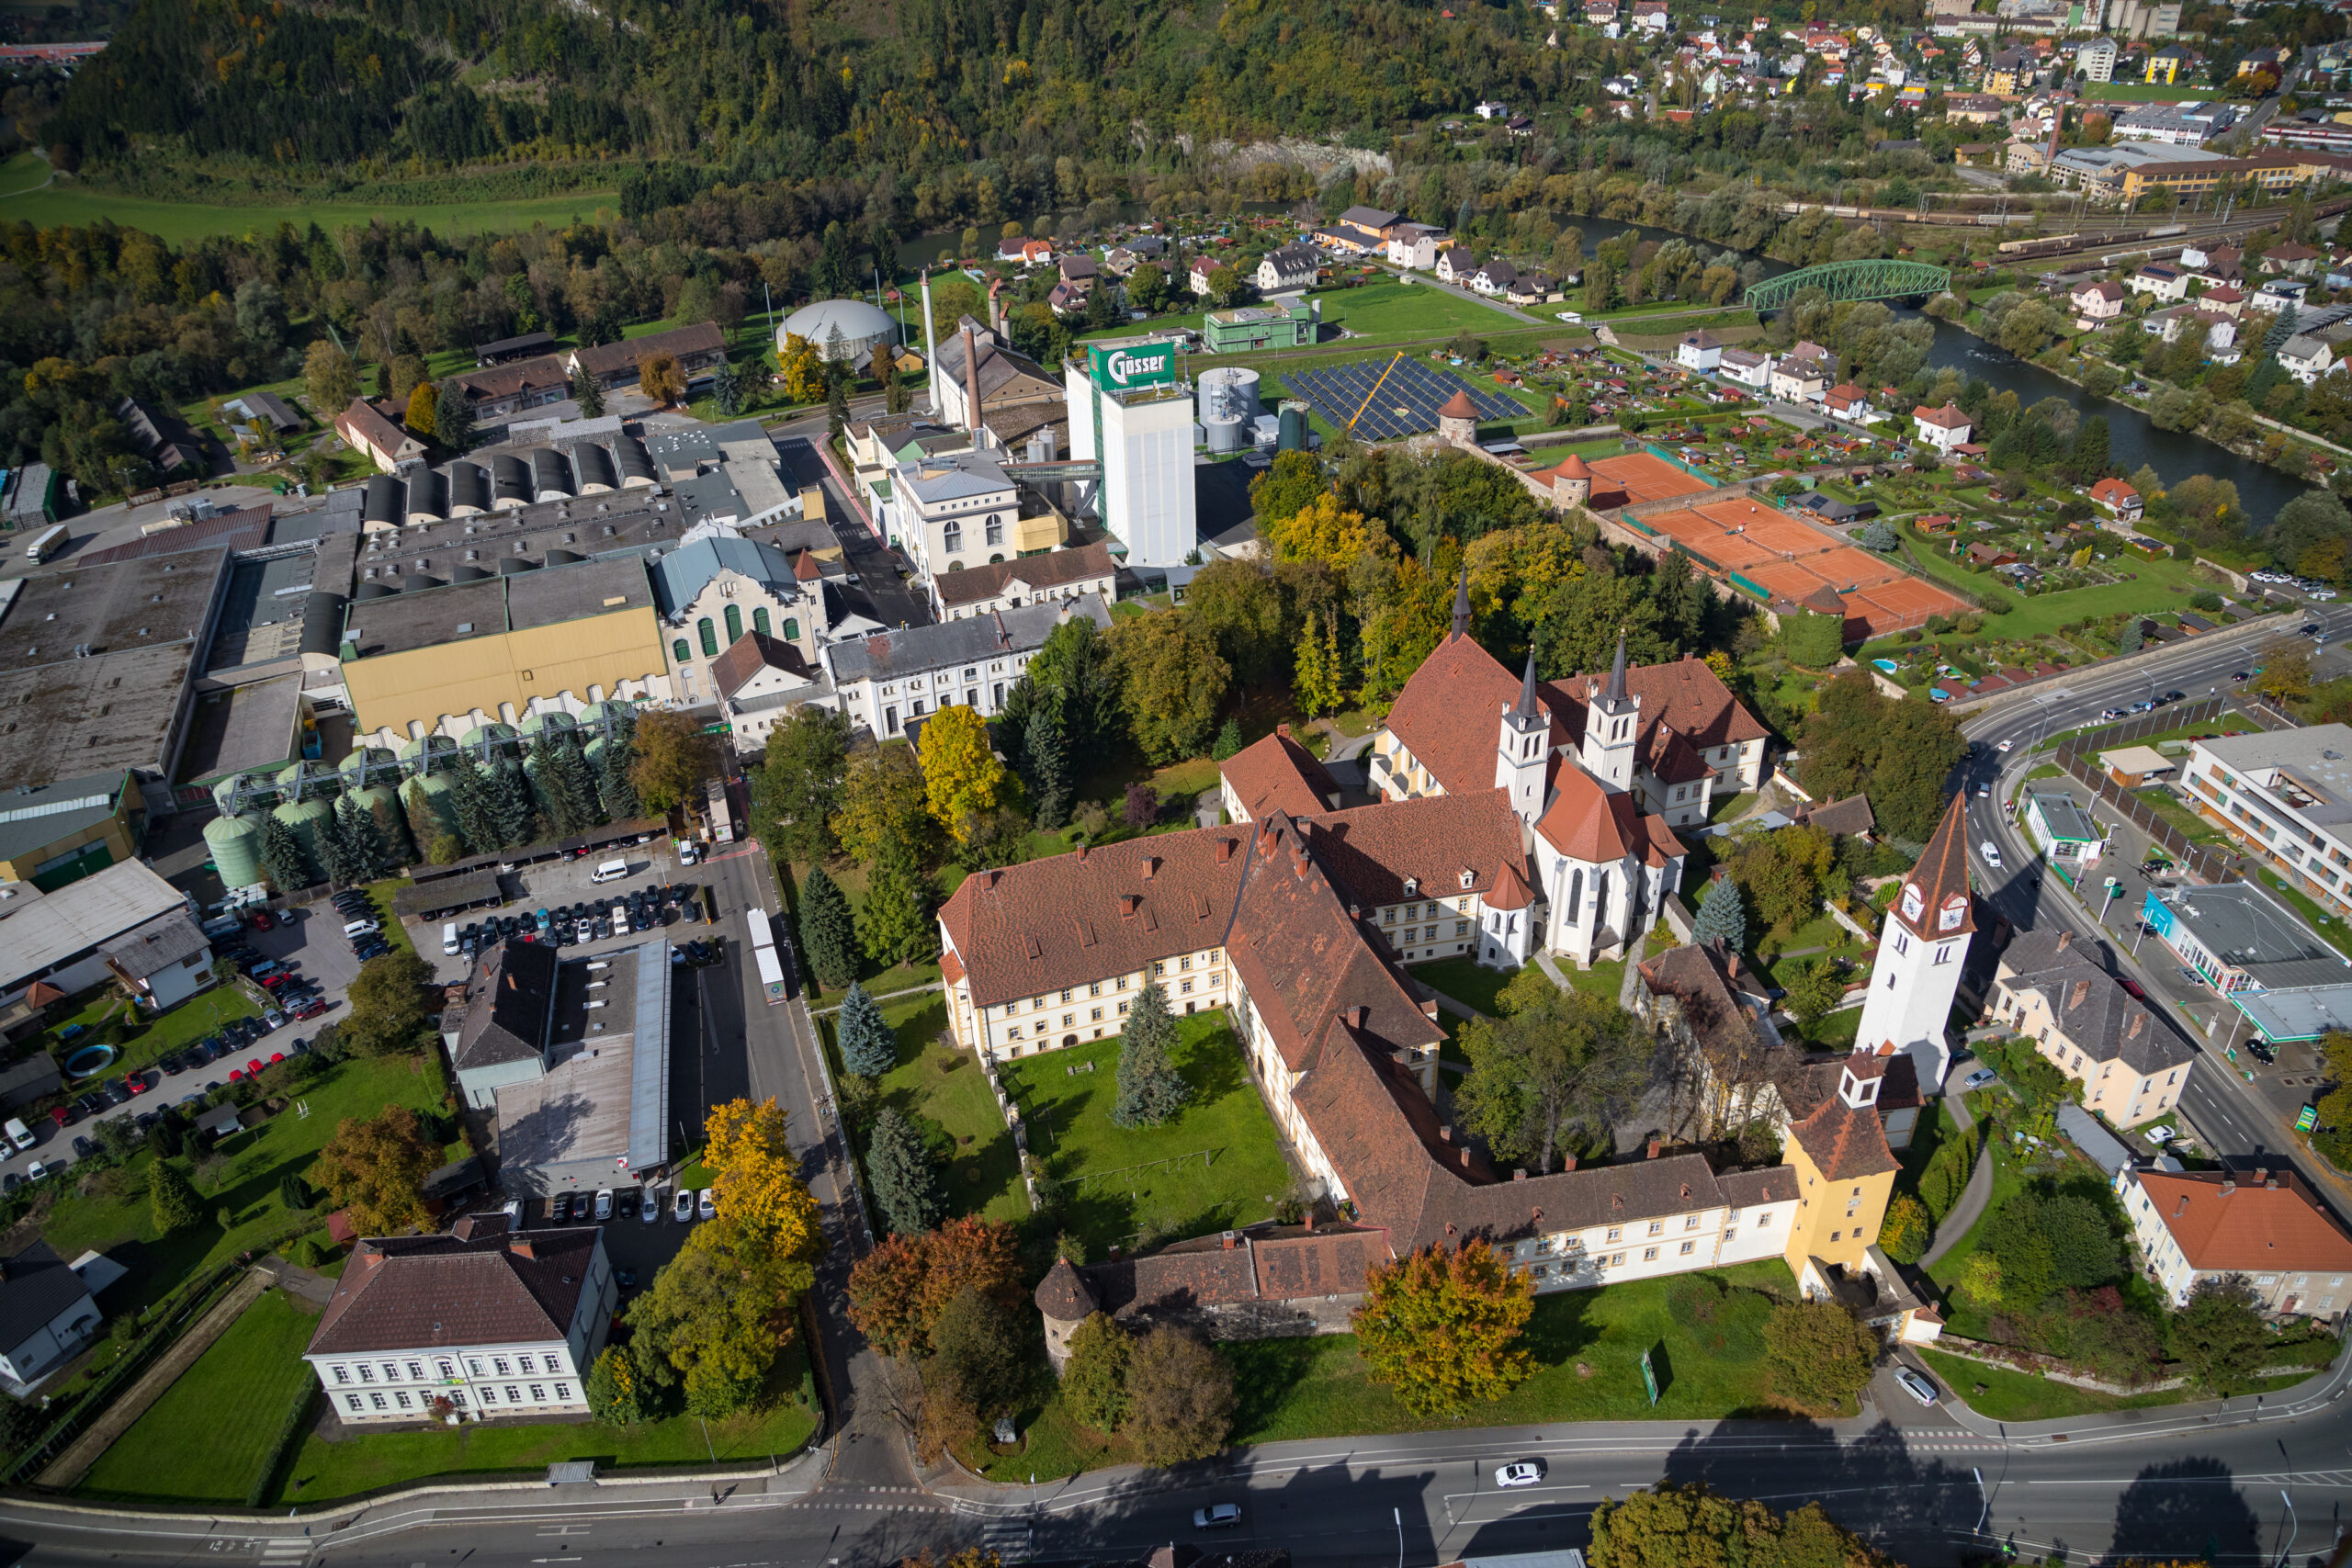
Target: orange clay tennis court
1792 560
1640 477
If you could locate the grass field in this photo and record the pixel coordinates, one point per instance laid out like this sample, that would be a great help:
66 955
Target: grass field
2006 1395
1318 1387
946 1086
66 201
1473 984
2156 585
245 1185
213 1429
145 1040
364 1462
1116 1182
1376 313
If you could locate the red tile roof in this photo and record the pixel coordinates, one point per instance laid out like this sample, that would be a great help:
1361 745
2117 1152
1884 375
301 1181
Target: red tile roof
1942 877
2223 1220
1845 1142
1279 774
420 1293
1371 850
1948 417
1586 822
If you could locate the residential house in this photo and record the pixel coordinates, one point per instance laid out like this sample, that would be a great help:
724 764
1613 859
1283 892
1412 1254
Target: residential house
1533 289
1416 245
891 681
1026 252
1366 229
50 1313
1800 378
2306 358
2028 157
2166 282
2118 499
2222 300
760 681
1848 401
698 349
162 962
1601 13
1088 571
2010 72
365 429
2264 1228
1975 108
1650 17
2165 66
2132 1065
1745 366
1944 429
1702 351
2294 260
1290 267
1495 278
501 390
1197 279
392 1345
1457 265
2095 303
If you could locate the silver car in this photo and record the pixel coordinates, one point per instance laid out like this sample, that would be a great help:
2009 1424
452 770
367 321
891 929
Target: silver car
1918 1385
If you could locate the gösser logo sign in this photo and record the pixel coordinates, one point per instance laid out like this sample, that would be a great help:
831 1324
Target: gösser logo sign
1117 369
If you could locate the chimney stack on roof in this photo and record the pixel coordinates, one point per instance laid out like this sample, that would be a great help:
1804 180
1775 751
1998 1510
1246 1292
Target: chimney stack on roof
1282 729
2065 941
1081 851
1224 852
2082 993
1446 1133
1654 1147
1465 1160
1567 1162
1518 1175
1150 866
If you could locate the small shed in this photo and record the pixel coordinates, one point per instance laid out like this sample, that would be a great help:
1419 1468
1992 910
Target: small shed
2132 766
2104 1149
219 1121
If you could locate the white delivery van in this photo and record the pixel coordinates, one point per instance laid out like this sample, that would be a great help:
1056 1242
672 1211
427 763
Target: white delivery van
18 1136
449 937
360 928
611 870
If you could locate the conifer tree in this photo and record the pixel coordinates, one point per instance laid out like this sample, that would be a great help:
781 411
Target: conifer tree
906 1184
587 394
453 417
282 858
512 811
896 926
334 849
1047 769
1151 1090
392 832
613 785
470 803
575 784
1721 915
827 934
366 842
558 807
869 1048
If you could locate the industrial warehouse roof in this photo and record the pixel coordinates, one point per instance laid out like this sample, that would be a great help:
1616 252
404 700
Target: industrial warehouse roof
241 729
78 918
401 623
43 814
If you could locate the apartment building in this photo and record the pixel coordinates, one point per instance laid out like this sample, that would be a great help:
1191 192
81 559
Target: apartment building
2131 1065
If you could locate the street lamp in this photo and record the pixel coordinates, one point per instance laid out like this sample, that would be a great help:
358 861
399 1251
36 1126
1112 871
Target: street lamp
2293 1529
1983 1517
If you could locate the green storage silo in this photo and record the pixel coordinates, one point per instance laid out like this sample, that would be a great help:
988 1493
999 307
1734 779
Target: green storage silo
383 802
363 760
555 721
437 747
436 788
307 820
236 851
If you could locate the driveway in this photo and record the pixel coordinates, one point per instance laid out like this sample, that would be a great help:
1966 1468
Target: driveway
1973 1196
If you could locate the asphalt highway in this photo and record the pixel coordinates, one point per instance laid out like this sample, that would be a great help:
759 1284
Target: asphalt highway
2250 1481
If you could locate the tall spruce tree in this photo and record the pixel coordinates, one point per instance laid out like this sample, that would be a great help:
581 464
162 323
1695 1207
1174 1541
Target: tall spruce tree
1046 752
559 807
587 394
827 932
1721 915
424 824
512 809
906 1184
1151 1090
391 825
869 1047
469 791
613 786
453 417
334 849
282 858
575 782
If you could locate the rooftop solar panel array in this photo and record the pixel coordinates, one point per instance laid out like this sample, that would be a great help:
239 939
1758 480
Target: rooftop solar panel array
1407 400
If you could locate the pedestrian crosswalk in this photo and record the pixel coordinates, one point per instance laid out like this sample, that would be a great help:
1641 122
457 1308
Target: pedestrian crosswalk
285 1550
1011 1540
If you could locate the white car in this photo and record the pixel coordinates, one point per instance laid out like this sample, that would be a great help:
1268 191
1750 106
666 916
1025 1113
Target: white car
683 1210
604 1205
708 1205
1217 1516
2004 746
1980 1078
1569 315
651 1209
1991 852
2159 1134
1917 1384
1522 1472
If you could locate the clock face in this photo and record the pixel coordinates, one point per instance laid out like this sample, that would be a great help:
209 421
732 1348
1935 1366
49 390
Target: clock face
1913 901
1955 909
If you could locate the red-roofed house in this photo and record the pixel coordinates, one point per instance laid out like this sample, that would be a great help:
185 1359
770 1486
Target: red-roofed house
1944 428
2119 499
2263 1226
364 429
1276 775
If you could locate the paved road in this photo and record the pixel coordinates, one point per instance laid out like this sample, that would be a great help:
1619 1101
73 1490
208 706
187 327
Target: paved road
1974 1196
2236 1118
881 593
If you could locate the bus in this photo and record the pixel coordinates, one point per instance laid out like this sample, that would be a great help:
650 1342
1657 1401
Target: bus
763 955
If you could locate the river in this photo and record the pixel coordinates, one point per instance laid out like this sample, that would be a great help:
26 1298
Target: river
2133 438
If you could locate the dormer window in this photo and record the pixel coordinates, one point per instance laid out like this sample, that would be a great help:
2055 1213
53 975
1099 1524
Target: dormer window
1856 1090
1468 877
1412 887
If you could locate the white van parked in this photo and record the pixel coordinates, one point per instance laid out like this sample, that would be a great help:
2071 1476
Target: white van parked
611 870
449 939
19 1137
361 927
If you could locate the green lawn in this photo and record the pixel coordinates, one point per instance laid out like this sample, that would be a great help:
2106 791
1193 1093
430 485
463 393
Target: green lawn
1376 313
945 1086
251 1164
68 201
2147 92
365 1462
1473 984
1117 1184
2158 585
2175 810
2006 1395
144 1041
213 1429
1318 1387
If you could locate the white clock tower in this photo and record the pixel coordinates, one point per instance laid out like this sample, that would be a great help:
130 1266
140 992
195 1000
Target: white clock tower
1921 948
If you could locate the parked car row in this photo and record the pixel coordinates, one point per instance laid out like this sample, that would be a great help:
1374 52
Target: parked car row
567 1208
566 925
363 925
2309 587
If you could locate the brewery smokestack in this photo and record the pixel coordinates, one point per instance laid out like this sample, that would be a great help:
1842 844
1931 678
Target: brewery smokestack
930 342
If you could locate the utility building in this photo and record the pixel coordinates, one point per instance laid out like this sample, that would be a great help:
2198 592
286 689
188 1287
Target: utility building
1130 410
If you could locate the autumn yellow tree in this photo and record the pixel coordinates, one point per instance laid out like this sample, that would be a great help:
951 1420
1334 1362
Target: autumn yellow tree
963 780
754 1177
420 409
802 368
883 802
374 1170
1326 531
1441 1327
659 377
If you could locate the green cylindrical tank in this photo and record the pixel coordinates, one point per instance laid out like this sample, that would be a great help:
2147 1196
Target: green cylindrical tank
593 749
554 721
383 802
224 794
413 755
306 819
437 787
500 736
364 757
234 843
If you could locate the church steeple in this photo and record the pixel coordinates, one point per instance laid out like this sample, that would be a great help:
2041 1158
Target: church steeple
1461 603
1524 754
1612 727
1617 672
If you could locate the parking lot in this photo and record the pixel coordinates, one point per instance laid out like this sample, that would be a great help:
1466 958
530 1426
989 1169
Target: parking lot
553 885
308 943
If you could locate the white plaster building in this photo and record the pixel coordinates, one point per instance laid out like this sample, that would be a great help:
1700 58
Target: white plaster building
1923 942
889 680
